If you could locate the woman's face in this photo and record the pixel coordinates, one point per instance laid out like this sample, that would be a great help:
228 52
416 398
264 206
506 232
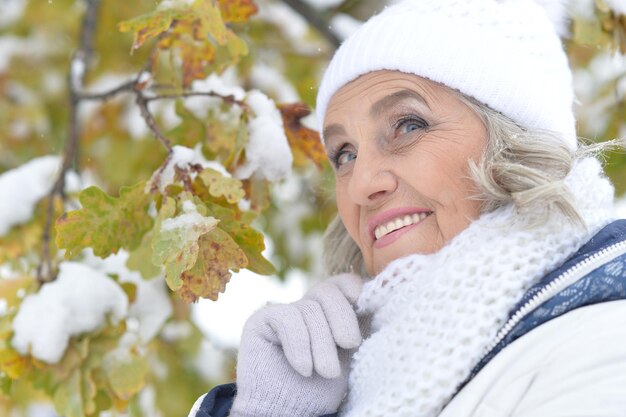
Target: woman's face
400 146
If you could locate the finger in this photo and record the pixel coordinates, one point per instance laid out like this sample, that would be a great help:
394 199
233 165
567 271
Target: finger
349 284
339 314
290 331
323 348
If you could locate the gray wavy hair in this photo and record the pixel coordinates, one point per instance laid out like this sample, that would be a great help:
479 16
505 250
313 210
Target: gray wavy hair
522 167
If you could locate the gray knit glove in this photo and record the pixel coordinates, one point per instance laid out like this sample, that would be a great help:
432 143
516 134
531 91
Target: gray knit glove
294 358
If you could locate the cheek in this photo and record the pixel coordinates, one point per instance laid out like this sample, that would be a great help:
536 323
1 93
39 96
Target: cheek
347 212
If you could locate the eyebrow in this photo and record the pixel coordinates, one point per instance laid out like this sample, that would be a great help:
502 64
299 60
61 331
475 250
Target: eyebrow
376 109
388 101
332 130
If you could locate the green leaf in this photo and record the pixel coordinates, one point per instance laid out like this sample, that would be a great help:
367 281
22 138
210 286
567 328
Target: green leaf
221 186
67 398
175 243
126 376
105 223
149 25
141 259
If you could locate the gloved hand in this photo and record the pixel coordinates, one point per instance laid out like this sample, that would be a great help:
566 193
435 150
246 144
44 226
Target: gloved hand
294 358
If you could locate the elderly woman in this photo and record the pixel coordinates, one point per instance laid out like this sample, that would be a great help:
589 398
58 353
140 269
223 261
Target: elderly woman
494 272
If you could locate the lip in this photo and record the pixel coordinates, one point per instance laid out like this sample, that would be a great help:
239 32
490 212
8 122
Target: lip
391 214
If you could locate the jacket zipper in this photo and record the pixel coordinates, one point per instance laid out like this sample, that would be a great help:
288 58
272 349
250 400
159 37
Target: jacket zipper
563 281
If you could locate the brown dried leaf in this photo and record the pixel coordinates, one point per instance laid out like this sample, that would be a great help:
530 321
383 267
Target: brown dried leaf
304 142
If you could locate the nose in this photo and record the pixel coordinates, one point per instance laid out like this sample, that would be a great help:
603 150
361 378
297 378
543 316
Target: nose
372 177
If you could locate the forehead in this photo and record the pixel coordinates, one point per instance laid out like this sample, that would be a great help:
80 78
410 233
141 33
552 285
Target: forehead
368 93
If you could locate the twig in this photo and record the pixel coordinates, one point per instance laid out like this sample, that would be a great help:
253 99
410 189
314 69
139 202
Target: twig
227 99
142 102
314 20
80 62
127 86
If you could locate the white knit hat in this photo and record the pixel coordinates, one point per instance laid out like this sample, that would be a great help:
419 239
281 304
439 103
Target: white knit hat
506 54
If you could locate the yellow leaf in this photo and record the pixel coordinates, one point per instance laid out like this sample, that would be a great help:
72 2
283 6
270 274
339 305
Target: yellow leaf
237 11
221 186
12 363
149 25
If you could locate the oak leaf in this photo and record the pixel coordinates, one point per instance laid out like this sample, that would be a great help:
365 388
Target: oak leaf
305 143
105 223
175 244
237 11
221 186
149 26
218 254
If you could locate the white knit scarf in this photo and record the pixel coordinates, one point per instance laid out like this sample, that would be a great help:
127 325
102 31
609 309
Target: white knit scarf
433 316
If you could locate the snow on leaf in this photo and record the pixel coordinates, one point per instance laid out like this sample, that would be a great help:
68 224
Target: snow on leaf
175 244
237 11
105 223
221 186
149 26
22 187
218 254
79 301
268 154
305 143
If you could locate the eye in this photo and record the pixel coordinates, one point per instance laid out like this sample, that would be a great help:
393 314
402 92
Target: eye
410 123
342 157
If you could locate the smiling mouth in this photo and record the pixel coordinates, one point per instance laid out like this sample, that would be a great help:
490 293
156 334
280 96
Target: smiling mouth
399 223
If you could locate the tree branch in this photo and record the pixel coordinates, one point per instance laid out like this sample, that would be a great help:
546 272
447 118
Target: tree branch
226 99
127 86
142 102
78 66
315 20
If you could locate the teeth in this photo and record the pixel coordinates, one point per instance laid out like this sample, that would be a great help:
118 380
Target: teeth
398 223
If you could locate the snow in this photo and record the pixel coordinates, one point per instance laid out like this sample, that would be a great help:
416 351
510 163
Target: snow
37 45
175 331
10 11
618 5
605 69
268 154
225 85
152 306
223 321
344 25
133 121
292 24
21 188
211 362
268 79
182 157
79 301
77 73
189 222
